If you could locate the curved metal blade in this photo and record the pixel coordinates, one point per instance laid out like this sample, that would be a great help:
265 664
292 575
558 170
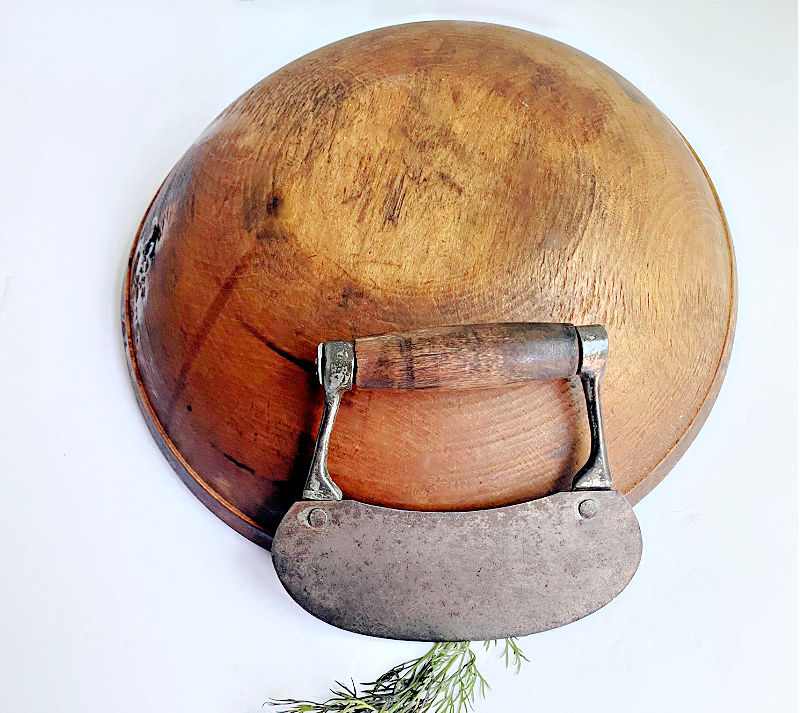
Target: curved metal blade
454 576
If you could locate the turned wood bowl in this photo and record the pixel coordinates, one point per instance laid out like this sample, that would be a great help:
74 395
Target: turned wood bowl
424 175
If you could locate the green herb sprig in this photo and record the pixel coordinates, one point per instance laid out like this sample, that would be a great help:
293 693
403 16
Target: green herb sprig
443 680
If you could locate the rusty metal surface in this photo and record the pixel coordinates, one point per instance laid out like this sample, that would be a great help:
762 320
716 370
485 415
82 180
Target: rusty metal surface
453 576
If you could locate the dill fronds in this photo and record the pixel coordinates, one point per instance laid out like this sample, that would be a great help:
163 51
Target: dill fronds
443 680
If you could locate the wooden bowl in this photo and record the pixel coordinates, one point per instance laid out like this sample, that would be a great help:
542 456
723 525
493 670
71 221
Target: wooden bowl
424 175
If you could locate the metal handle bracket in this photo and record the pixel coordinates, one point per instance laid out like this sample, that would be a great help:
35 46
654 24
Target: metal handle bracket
335 369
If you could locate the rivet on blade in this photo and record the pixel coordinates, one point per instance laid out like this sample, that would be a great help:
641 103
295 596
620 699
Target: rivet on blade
317 518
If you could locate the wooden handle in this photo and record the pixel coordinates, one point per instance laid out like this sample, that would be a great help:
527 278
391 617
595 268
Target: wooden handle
467 356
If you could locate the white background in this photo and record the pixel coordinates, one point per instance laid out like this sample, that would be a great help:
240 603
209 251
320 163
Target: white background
119 592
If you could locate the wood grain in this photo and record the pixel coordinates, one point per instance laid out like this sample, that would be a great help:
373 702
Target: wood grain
470 356
417 176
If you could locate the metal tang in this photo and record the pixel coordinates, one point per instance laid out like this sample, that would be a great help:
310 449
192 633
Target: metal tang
455 576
